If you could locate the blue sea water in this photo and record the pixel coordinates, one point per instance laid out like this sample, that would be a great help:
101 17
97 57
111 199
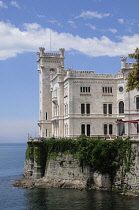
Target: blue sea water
14 198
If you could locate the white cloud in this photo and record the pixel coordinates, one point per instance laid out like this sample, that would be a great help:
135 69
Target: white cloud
3 5
41 16
72 23
52 21
91 26
128 22
14 41
15 4
92 14
121 21
112 30
31 26
132 22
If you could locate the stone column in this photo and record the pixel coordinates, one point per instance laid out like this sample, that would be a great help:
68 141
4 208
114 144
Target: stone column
38 162
29 161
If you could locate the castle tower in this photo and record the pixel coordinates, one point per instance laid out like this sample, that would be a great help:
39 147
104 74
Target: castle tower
47 63
123 62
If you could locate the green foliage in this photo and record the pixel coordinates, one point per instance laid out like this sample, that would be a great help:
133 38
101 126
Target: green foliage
133 76
101 155
37 155
30 151
60 146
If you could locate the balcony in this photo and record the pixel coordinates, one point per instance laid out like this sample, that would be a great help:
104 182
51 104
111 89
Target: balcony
55 119
55 99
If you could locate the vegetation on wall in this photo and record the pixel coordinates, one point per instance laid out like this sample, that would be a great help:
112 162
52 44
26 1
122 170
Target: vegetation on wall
133 76
101 155
30 152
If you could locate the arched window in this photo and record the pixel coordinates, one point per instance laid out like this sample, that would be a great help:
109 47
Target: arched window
137 103
87 108
105 129
121 107
83 129
82 108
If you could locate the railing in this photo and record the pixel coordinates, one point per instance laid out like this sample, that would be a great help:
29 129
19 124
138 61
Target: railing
36 139
107 137
129 65
93 75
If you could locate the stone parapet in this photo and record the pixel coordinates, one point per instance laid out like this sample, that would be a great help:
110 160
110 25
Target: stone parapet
91 74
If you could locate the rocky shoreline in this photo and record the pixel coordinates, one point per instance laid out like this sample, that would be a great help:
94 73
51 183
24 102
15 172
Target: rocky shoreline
43 183
64 170
31 183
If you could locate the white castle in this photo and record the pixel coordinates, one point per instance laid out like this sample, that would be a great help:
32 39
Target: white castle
82 102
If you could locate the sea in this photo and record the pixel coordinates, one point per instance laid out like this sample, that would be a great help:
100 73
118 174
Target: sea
14 198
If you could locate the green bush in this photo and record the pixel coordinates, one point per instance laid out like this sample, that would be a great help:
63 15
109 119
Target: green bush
103 155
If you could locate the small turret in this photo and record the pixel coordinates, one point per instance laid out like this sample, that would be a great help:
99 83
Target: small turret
62 50
42 49
123 62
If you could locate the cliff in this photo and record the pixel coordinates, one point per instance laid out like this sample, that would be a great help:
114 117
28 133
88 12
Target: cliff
81 163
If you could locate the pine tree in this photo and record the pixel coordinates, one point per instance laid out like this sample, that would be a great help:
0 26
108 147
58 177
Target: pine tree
133 76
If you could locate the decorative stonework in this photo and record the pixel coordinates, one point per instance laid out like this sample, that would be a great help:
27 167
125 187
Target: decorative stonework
54 77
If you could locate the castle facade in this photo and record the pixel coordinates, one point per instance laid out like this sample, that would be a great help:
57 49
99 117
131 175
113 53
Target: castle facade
82 102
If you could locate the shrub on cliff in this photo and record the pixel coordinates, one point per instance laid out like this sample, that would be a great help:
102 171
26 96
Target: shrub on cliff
104 155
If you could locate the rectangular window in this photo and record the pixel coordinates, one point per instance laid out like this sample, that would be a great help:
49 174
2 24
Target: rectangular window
65 130
88 129
110 129
85 89
105 129
83 129
46 115
65 109
107 89
46 132
137 103
87 108
110 108
121 129
137 128
104 108
82 108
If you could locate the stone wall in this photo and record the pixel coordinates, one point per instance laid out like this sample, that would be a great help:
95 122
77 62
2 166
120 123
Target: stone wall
129 180
66 169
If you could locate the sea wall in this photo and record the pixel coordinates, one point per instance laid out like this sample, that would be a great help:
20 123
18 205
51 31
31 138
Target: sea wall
65 170
129 180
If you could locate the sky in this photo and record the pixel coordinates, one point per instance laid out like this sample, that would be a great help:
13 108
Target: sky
94 33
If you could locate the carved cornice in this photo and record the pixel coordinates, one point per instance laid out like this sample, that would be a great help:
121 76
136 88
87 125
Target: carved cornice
95 81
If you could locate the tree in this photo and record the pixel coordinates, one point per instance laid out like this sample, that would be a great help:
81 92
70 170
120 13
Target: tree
133 76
